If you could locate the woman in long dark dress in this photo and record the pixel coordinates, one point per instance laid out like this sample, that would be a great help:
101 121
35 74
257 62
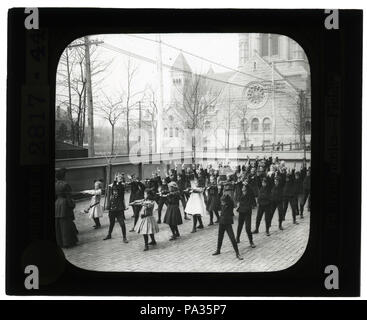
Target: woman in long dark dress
65 228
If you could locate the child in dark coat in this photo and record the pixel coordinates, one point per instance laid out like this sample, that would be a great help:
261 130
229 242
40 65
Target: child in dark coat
289 197
162 197
277 201
213 203
246 203
264 202
173 213
116 208
306 188
225 225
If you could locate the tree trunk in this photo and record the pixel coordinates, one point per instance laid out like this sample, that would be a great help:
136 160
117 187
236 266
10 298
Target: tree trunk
112 138
90 98
244 137
127 132
69 93
84 108
193 147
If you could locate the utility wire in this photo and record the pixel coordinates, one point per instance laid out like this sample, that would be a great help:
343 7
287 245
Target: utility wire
152 61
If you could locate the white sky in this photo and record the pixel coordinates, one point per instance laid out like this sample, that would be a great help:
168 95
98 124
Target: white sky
221 48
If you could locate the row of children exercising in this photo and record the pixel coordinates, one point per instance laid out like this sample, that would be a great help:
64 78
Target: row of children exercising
208 191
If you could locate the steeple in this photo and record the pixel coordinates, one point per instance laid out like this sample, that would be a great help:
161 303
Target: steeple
181 64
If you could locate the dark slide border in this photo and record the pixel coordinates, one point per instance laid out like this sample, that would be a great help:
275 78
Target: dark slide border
335 57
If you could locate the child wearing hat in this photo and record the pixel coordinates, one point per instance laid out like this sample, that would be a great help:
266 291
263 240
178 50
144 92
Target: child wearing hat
146 225
225 225
94 210
173 215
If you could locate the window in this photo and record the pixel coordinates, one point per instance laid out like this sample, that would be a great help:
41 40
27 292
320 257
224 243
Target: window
255 65
266 125
264 45
274 44
295 50
308 127
207 125
242 52
170 132
170 118
176 132
255 125
165 132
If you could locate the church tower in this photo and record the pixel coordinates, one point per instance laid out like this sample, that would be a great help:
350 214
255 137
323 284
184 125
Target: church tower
181 74
287 55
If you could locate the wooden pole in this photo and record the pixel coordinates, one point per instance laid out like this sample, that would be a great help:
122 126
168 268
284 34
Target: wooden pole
89 98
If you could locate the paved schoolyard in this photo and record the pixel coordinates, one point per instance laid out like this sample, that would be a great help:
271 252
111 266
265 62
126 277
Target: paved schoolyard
190 253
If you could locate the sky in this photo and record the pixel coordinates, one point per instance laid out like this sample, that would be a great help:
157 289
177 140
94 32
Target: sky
220 48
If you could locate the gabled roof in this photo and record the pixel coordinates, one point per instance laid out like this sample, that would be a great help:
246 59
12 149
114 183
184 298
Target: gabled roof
210 71
181 64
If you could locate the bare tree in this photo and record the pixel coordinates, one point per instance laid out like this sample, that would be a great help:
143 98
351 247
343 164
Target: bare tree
198 98
130 97
151 109
230 116
111 111
300 113
242 111
71 85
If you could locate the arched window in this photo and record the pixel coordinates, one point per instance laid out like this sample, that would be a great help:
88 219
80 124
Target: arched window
308 127
165 132
266 125
170 118
171 132
255 125
207 125
255 65
176 132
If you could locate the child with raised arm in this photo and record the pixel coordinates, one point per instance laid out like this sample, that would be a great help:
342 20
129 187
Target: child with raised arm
225 225
196 205
116 207
173 215
246 203
146 225
94 210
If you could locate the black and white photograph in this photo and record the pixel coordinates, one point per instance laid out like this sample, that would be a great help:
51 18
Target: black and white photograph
164 156
183 152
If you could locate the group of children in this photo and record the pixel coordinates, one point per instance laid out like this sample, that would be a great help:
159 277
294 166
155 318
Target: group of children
266 184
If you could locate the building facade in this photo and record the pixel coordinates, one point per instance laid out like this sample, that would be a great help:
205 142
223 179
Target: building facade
265 101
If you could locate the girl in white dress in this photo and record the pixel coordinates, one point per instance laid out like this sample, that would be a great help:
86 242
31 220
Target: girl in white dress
196 205
95 210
